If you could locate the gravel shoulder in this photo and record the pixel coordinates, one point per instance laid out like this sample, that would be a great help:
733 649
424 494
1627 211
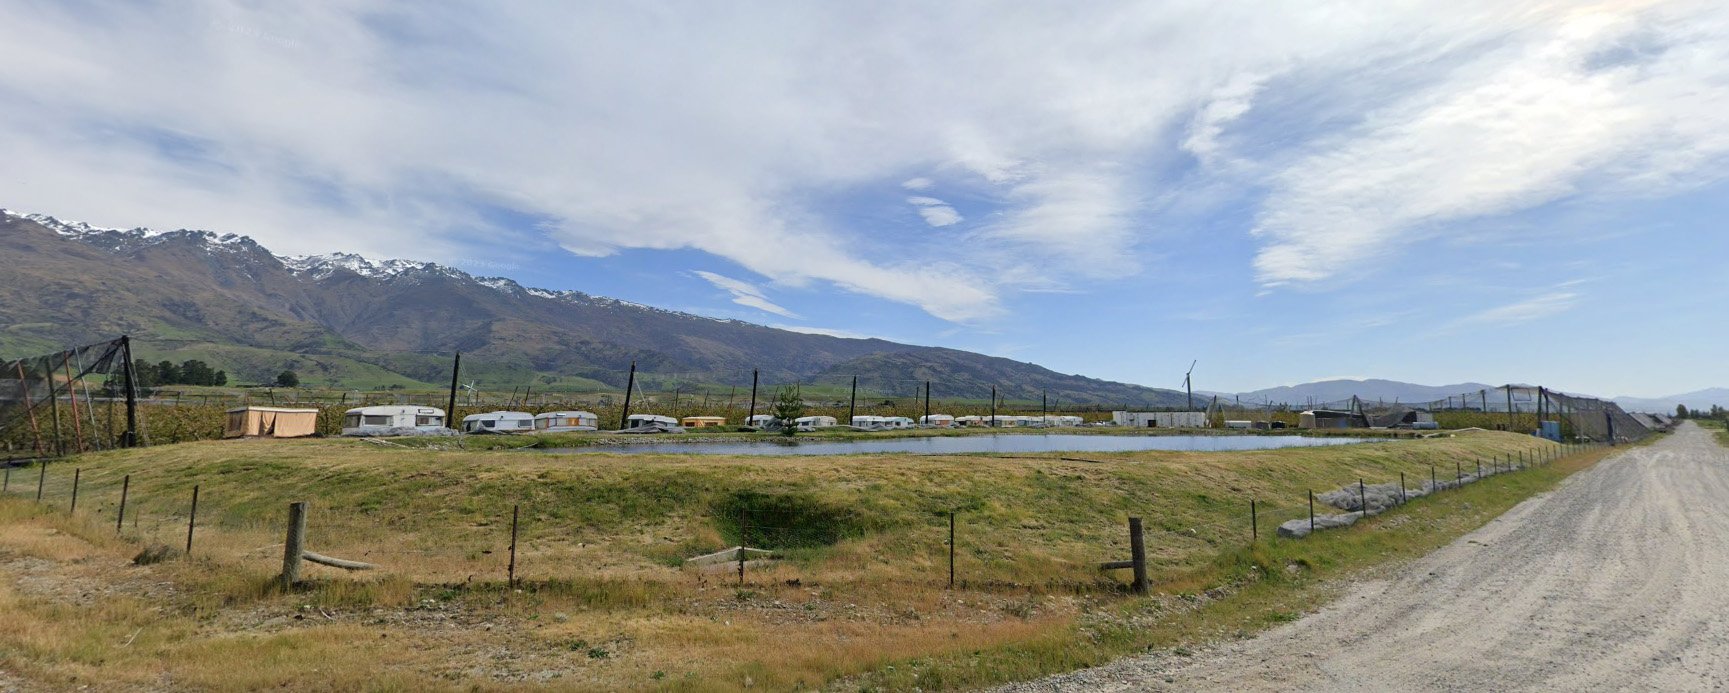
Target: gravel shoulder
1617 580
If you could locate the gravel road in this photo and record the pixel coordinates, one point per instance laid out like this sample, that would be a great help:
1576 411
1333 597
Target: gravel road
1616 580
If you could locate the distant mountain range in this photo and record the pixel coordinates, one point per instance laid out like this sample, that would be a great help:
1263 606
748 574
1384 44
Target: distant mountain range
345 321
1699 399
1367 390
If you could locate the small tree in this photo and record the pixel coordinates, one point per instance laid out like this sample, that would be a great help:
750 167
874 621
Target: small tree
1681 411
287 379
788 407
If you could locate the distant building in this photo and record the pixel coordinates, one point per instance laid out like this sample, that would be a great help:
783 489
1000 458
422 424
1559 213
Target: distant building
1330 418
498 422
1160 419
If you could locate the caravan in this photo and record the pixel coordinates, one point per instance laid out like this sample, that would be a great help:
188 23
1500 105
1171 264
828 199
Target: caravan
566 421
498 422
937 421
811 423
391 420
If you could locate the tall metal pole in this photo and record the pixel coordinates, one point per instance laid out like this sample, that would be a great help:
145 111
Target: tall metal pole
72 392
852 404
24 396
130 437
54 407
1510 424
749 420
455 373
629 388
927 402
993 406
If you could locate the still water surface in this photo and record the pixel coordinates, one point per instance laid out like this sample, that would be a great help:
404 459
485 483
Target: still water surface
963 444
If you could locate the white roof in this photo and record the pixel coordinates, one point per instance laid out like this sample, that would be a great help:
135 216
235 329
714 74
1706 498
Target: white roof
498 416
393 409
567 415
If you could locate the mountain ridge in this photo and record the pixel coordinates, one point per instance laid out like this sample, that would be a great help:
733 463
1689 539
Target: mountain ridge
343 320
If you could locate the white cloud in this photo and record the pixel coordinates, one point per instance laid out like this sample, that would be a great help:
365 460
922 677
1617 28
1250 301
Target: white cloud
1601 96
745 293
935 211
1533 308
368 127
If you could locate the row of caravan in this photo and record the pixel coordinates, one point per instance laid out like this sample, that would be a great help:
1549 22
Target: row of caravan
407 420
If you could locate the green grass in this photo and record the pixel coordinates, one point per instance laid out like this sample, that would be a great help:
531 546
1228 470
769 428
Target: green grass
604 537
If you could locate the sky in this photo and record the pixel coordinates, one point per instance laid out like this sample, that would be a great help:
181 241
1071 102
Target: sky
1434 192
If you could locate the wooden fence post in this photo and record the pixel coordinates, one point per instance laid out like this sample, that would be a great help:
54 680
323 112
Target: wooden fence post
1138 555
1254 523
294 544
951 549
41 480
77 473
191 520
120 517
1311 511
514 510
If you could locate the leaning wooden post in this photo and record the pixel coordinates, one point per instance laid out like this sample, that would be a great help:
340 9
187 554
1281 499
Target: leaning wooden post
191 520
1138 556
1402 498
77 472
951 549
514 510
1254 523
1363 496
41 480
1311 512
294 544
120 517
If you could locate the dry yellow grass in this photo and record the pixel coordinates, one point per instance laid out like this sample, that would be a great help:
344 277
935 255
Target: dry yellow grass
605 603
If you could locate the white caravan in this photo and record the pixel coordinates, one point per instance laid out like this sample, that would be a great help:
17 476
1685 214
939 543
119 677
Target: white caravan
566 421
394 419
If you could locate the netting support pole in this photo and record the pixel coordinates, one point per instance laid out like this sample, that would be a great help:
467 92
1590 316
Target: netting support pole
750 419
24 395
629 388
54 407
72 392
130 437
450 421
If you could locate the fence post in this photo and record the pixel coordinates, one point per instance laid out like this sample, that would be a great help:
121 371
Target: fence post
741 544
7 485
77 473
951 549
41 480
1254 523
1402 498
294 544
1458 474
191 520
1363 496
514 509
1138 555
120 517
1311 511
1433 487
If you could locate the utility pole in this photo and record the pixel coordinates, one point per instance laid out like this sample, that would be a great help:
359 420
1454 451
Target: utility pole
927 402
852 405
130 437
993 406
629 388
455 373
752 416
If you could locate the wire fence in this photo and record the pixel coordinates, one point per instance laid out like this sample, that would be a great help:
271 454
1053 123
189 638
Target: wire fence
753 539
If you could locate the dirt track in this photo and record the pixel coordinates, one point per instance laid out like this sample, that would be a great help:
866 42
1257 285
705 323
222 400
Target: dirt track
1617 580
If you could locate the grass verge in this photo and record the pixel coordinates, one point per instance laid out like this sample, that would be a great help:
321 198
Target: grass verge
607 603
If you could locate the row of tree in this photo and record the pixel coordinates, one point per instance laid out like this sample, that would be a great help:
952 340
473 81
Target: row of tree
1716 412
188 372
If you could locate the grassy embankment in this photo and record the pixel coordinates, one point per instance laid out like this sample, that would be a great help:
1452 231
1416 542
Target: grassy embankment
606 603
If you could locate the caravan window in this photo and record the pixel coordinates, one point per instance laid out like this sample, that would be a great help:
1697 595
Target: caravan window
376 420
351 421
428 420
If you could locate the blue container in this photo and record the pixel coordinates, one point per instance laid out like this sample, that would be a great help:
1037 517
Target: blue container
1550 430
